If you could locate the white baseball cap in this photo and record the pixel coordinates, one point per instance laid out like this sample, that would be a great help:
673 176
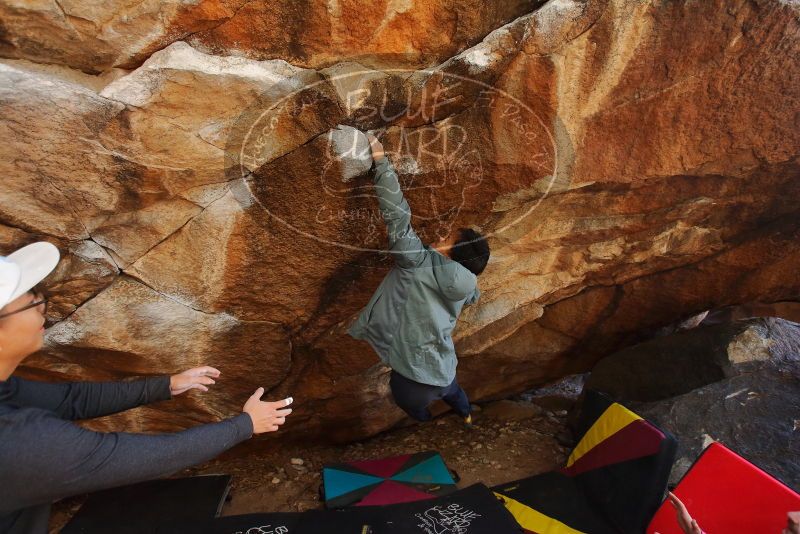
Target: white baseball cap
23 269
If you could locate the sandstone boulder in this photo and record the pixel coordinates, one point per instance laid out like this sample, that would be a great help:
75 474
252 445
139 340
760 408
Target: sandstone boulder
755 414
96 36
634 163
669 366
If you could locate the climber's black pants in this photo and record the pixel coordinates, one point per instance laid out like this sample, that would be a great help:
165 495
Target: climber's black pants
414 398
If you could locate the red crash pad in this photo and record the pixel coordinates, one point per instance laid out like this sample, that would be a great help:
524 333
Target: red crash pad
726 493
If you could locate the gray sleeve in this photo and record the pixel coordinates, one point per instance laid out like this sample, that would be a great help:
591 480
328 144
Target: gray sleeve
50 458
404 244
85 400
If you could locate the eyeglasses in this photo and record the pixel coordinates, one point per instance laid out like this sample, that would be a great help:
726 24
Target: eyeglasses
39 299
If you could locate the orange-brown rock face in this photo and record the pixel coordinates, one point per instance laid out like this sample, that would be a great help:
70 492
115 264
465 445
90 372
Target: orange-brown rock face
633 162
95 36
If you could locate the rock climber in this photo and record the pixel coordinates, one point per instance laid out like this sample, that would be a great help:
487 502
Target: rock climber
410 317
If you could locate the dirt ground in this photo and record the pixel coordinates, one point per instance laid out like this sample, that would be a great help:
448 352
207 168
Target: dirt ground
511 439
494 451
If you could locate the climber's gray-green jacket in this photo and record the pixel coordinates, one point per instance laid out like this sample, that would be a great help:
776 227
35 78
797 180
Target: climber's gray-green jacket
409 319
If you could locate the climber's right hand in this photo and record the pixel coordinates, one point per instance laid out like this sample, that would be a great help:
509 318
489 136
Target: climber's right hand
266 416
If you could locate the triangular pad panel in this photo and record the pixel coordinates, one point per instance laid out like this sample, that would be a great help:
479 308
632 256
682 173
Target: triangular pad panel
431 471
392 493
383 468
340 482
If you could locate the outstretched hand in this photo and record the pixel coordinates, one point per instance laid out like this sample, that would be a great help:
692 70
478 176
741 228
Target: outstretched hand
266 416
792 523
685 521
196 378
376 147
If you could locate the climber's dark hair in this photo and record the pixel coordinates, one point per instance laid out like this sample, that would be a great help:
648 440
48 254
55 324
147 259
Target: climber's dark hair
471 250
